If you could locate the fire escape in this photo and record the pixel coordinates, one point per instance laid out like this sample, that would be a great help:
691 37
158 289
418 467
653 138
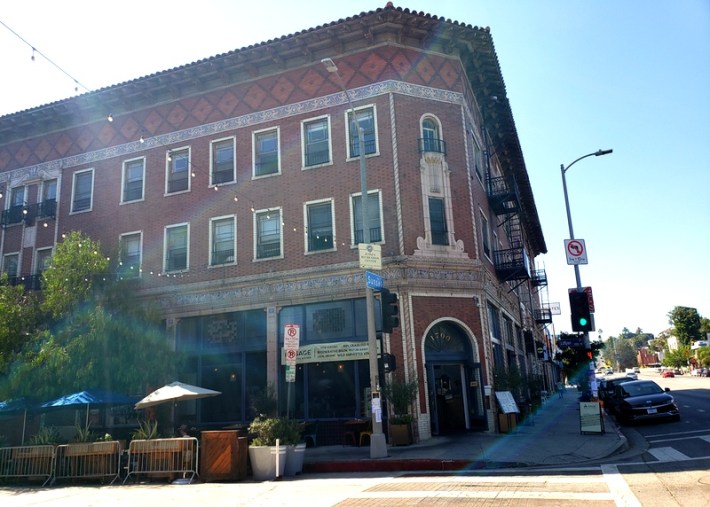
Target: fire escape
512 264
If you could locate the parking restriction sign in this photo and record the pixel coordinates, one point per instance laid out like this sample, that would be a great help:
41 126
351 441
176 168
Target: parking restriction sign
292 337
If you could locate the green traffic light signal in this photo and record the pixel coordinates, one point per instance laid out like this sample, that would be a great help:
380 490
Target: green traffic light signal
581 314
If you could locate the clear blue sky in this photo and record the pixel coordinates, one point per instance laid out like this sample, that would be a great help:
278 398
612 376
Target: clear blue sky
629 75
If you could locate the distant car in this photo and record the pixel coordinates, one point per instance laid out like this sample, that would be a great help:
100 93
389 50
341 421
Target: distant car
637 369
632 375
641 400
667 374
610 371
677 371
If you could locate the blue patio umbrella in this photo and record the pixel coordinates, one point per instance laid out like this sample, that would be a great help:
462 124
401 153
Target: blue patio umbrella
95 397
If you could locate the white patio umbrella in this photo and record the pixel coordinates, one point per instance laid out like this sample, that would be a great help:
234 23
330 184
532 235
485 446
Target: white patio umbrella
175 391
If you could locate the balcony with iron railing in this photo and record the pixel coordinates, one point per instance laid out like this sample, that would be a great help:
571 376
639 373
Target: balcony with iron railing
512 264
28 213
432 145
543 315
539 278
29 282
503 195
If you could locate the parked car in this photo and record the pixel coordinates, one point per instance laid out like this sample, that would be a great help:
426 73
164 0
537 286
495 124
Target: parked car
641 400
606 390
667 374
632 375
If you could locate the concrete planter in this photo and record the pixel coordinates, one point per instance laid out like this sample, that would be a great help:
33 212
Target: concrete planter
294 459
264 462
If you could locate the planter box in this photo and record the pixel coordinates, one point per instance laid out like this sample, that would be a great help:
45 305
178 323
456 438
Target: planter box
223 456
401 434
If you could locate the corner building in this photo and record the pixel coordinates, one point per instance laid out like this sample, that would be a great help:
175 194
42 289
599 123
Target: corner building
231 188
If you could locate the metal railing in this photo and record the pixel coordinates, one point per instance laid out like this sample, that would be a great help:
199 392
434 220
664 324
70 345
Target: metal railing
28 462
88 460
163 456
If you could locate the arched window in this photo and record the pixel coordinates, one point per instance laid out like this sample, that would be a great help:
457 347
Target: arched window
431 137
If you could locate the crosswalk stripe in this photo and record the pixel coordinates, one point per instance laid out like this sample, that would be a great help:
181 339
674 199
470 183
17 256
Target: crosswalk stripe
668 454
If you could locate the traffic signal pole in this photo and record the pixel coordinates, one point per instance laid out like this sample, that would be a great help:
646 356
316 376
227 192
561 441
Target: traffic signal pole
564 170
378 443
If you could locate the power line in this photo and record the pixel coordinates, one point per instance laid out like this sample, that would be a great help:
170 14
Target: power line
37 51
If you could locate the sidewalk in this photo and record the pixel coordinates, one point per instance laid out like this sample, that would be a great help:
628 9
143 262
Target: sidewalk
553 438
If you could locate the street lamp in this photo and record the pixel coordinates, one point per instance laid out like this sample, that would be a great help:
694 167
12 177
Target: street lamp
378 445
564 169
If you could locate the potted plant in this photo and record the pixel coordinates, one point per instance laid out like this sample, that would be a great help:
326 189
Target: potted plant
268 460
400 396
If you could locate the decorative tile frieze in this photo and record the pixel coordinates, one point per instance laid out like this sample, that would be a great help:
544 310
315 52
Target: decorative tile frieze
219 127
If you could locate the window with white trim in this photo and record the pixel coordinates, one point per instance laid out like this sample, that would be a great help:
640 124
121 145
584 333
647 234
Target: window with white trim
485 235
176 248
266 152
316 142
133 180
177 172
11 264
366 119
320 231
82 191
223 240
437 221
267 227
223 161
130 254
43 257
374 217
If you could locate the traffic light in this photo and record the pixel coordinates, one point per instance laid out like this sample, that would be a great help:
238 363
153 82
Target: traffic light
581 316
390 310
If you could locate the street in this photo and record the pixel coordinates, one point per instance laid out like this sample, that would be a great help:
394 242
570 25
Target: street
666 465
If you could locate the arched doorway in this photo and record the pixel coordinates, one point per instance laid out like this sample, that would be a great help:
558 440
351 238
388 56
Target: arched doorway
454 382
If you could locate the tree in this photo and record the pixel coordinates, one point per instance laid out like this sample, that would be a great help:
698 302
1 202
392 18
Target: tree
19 315
75 268
686 324
100 335
626 353
660 342
704 356
677 358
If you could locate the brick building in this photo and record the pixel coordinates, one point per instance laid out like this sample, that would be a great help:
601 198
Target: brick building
231 187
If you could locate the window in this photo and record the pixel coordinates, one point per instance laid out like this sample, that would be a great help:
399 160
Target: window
130 248
223 241
178 171
268 233
176 241
48 204
478 161
14 213
366 120
49 190
486 236
316 142
42 260
223 158
83 190
133 176
431 137
374 222
437 220
266 152
11 265
17 196
319 226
